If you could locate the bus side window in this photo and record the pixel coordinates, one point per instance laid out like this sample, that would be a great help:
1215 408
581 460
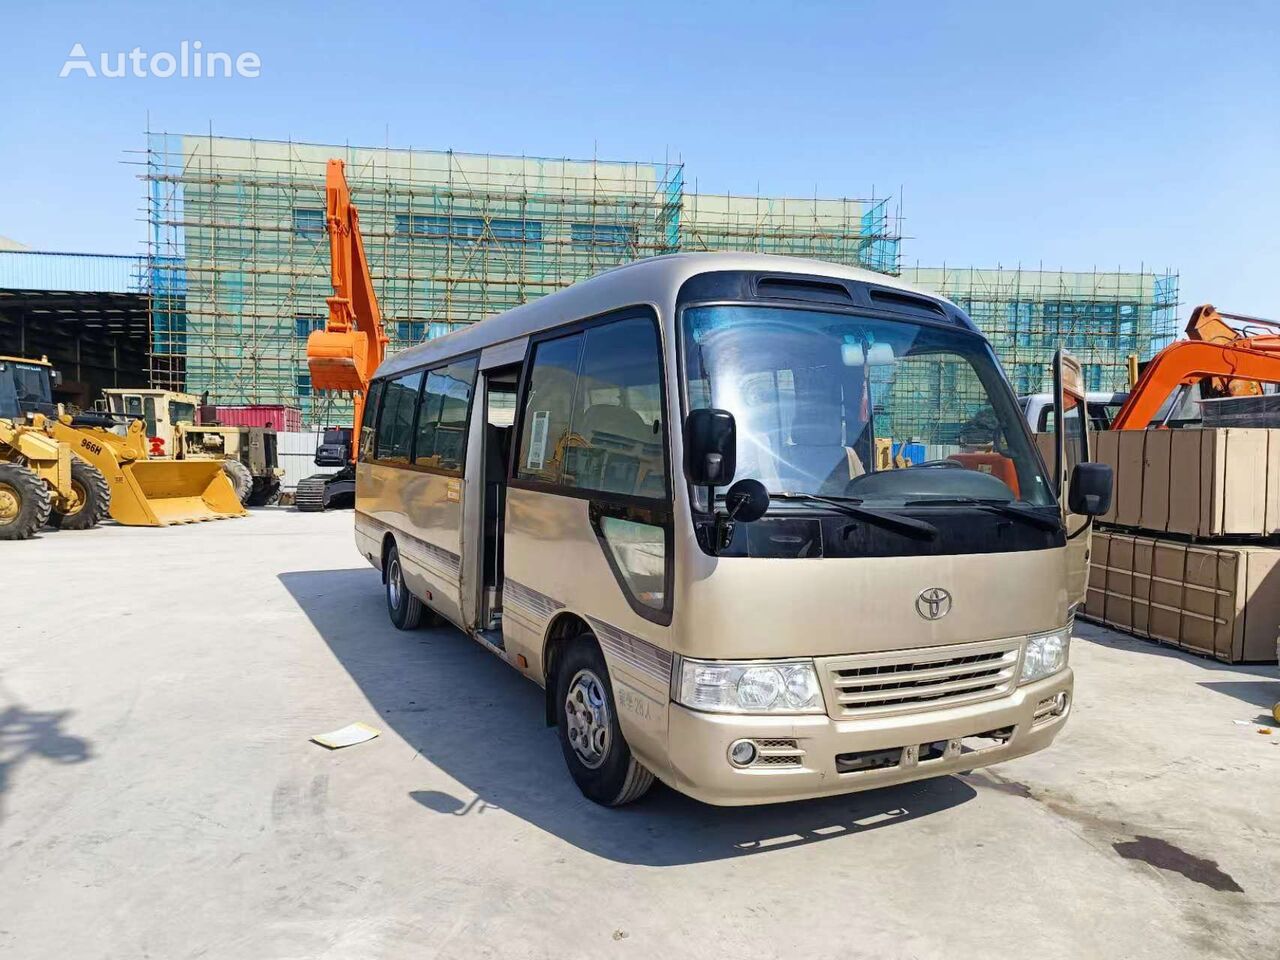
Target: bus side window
617 414
395 425
370 420
442 418
545 427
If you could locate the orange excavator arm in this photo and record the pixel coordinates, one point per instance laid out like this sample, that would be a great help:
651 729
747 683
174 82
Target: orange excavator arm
1235 362
344 355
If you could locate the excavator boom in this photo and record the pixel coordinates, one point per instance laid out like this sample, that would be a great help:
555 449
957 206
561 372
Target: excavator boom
344 355
1232 362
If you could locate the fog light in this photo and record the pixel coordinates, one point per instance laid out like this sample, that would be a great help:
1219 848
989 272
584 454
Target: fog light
1060 704
742 753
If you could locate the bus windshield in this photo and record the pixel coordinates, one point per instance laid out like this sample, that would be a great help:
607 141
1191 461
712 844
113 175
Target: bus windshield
840 405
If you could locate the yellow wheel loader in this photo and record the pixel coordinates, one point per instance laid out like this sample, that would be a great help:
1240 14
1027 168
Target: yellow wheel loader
41 482
142 492
182 427
145 492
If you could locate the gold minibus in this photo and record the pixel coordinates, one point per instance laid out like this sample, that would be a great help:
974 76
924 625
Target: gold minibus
763 528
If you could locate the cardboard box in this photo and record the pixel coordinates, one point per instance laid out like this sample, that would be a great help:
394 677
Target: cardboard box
1204 600
1045 444
1099 542
1106 445
1119 609
1095 598
1249 605
1130 469
1156 455
1199 483
1143 557
1184 482
1168 568
1234 481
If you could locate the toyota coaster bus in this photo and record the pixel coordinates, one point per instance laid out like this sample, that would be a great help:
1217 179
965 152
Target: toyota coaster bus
763 528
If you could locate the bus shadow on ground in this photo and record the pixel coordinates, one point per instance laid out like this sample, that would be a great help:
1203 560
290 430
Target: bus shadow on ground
481 723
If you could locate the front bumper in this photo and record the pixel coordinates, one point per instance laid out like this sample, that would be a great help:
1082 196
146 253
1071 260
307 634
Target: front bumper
889 750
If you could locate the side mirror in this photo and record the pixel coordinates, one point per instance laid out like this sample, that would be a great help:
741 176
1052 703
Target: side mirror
1090 491
55 379
747 500
710 447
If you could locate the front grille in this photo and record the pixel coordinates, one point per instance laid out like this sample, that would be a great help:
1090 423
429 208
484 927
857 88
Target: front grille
880 683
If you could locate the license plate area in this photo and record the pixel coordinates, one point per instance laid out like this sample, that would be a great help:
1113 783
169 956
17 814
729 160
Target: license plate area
921 754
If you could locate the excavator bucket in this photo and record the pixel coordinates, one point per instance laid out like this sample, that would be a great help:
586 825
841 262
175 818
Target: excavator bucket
156 493
149 493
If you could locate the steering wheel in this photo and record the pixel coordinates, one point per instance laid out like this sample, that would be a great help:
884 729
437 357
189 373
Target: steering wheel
935 465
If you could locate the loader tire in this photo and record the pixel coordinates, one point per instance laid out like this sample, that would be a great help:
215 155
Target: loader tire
264 494
241 479
24 502
92 499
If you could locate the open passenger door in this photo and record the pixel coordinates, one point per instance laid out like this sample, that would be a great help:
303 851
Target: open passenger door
1071 446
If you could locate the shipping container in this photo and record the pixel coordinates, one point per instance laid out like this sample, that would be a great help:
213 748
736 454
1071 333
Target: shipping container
278 416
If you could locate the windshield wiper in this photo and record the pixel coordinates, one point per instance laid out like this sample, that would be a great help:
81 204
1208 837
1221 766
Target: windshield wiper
920 529
999 506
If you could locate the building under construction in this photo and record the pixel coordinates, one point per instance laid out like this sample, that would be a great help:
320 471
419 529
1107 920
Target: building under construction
238 256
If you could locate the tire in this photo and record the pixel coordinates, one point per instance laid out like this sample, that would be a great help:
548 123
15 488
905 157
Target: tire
264 493
92 499
24 502
241 479
604 769
403 607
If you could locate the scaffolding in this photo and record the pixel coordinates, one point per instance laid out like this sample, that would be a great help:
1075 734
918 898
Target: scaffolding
864 233
238 272
1100 317
238 257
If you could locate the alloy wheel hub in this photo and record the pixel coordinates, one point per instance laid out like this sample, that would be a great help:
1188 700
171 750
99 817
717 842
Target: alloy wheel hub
586 711
393 583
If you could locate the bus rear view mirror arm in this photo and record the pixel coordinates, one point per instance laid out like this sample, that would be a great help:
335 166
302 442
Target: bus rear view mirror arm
1090 490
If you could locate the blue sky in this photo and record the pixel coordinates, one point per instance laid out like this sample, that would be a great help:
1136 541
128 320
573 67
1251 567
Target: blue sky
1073 135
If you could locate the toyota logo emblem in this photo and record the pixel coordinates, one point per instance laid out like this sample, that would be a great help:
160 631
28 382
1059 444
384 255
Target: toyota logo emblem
933 603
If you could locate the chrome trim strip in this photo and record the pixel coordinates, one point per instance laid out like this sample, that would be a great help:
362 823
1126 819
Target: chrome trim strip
528 600
640 655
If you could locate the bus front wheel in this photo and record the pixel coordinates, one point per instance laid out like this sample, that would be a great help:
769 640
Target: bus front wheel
598 758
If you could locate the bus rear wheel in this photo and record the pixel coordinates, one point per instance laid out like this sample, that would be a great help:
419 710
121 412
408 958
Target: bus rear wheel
403 607
595 752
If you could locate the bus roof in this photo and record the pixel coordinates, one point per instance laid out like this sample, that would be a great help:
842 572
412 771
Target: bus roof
654 280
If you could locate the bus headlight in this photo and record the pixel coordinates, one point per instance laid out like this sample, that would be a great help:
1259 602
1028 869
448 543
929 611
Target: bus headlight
722 686
1046 654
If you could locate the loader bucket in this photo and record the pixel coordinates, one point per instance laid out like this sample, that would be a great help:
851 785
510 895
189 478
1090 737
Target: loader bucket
156 493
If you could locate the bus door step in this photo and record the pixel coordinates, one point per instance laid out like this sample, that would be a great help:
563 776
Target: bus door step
493 638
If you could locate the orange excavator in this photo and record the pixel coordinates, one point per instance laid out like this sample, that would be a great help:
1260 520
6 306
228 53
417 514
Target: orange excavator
343 356
1223 360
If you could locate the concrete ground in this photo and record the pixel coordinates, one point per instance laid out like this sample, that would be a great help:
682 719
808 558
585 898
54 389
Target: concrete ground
159 796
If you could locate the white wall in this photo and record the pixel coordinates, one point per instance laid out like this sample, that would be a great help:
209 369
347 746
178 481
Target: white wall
297 453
